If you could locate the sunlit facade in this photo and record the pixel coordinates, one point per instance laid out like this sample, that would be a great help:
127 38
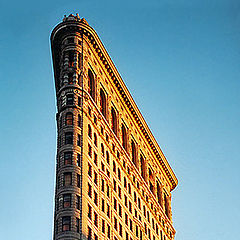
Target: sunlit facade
112 179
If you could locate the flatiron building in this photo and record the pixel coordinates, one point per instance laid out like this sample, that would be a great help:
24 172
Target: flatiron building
112 179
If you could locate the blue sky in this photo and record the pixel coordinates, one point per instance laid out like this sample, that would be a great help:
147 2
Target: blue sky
181 62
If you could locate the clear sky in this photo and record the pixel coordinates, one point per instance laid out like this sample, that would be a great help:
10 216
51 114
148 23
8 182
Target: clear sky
181 62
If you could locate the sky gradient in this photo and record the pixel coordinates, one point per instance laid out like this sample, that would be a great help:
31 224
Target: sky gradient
181 62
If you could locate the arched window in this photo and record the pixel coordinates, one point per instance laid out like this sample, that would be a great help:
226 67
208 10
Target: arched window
114 120
159 193
69 118
91 84
103 103
143 167
89 131
166 200
134 153
124 137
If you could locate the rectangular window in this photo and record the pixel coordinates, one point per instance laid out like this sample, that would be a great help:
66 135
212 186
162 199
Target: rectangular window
95 219
95 178
78 202
108 210
77 224
68 138
120 229
66 200
115 204
67 158
126 219
89 150
89 212
78 140
95 158
78 180
120 210
70 99
95 198
89 190
89 170
108 231
89 233
103 205
103 225
103 185
108 191
78 160
66 224
119 192
130 207
115 223
125 200
131 226
67 179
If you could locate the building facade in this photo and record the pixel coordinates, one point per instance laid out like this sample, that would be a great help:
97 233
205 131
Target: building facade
112 179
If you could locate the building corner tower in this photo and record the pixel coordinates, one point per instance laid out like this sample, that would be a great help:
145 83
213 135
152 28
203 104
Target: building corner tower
112 179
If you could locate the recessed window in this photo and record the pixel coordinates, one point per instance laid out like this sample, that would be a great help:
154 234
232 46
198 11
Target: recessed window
89 190
89 233
78 160
66 200
114 120
95 219
89 212
69 118
78 202
89 170
67 158
134 153
70 99
78 180
91 84
78 140
89 150
103 103
78 224
95 198
107 157
103 225
68 138
66 224
95 139
79 121
67 179
89 131
70 58
124 137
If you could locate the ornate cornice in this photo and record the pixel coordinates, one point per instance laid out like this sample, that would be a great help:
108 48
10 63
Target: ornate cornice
75 24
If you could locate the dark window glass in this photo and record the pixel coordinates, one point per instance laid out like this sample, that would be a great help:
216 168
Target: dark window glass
68 138
66 224
66 200
69 118
67 180
70 99
67 158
